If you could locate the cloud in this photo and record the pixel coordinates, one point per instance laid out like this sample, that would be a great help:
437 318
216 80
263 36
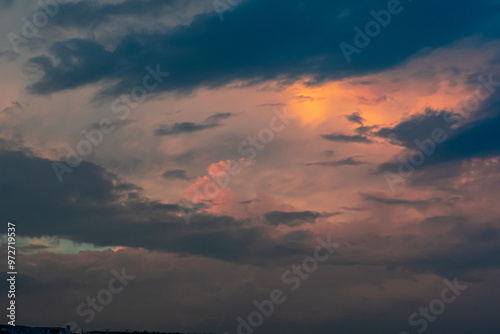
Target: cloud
15 105
374 101
93 206
342 138
355 118
189 127
176 174
477 138
219 117
365 129
418 127
271 105
351 208
15 144
476 242
92 13
379 261
291 219
211 54
33 247
117 124
350 161
214 189
306 98
10 55
184 127
6 3
399 201
197 280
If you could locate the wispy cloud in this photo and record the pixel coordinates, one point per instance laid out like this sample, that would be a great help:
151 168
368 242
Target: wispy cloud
342 138
350 161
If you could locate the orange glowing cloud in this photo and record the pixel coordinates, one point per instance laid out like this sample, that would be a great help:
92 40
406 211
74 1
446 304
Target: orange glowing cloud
213 189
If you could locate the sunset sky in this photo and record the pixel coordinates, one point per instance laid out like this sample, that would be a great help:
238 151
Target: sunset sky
204 146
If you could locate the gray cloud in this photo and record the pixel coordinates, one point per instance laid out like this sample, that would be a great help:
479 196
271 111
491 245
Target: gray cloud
398 201
350 161
355 118
189 127
184 127
291 218
218 117
271 105
180 174
9 55
351 208
342 138
418 127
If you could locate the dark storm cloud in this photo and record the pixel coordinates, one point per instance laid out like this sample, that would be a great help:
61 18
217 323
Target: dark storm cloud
93 206
180 174
289 40
94 64
478 138
355 118
91 13
342 138
418 127
350 161
291 218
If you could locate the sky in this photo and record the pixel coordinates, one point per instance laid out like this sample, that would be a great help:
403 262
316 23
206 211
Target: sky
252 166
